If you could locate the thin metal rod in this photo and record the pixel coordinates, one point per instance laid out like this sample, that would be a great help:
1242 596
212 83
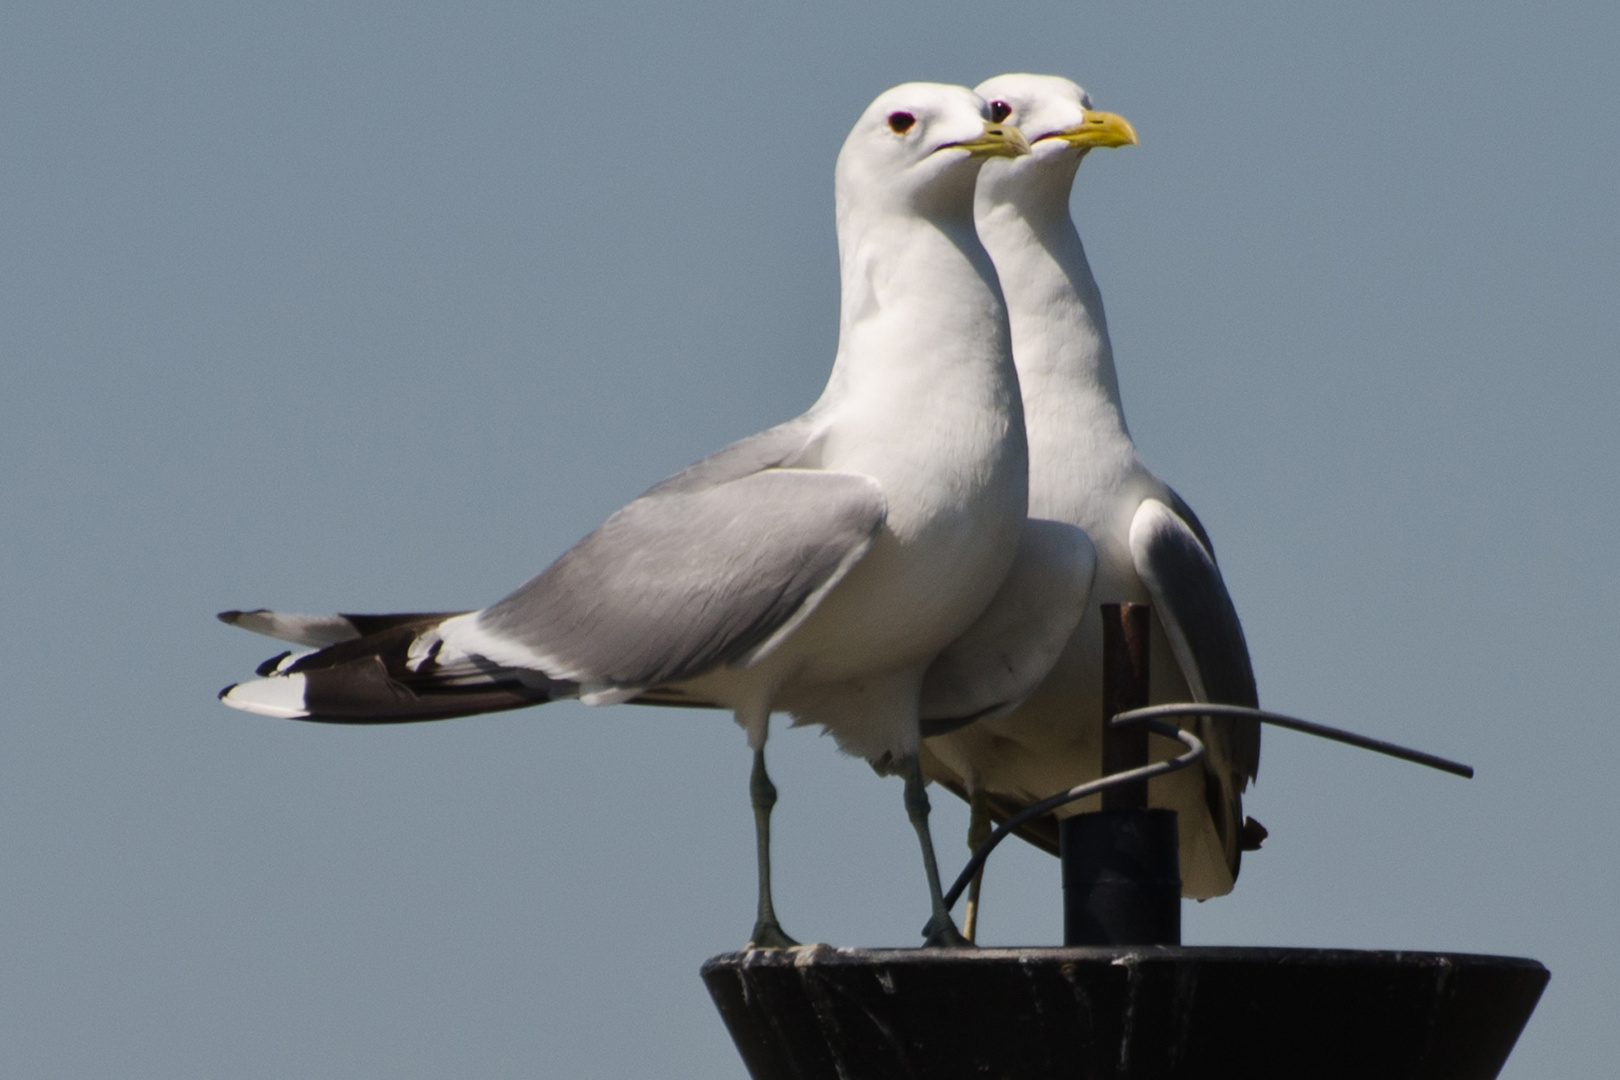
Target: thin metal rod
1292 723
1152 716
1195 750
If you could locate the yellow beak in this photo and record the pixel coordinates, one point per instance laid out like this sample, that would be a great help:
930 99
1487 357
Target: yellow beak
1099 129
998 140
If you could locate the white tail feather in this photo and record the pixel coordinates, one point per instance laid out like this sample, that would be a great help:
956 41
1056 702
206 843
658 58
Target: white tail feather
281 696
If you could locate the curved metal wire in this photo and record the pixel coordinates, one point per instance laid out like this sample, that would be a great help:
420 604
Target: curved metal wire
1294 723
1195 750
1152 716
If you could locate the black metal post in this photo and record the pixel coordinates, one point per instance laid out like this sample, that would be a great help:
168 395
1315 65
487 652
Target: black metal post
1122 864
1121 878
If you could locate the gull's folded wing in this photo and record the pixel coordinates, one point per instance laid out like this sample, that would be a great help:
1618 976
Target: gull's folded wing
1004 655
1191 603
711 567
676 584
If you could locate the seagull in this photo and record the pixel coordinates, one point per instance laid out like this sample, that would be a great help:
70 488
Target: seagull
1084 470
819 567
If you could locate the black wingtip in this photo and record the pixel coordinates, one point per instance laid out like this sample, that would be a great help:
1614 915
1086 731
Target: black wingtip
228 689
1252 835
268 668
233 616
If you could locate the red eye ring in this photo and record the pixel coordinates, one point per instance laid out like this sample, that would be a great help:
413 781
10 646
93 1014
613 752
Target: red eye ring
900 122
999 111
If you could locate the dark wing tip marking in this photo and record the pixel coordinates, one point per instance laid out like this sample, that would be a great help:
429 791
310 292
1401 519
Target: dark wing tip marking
1252 835
1179 507
232 617
268 668
228 689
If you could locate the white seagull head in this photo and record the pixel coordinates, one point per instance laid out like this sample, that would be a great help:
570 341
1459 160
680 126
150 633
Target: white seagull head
1056 116
918 148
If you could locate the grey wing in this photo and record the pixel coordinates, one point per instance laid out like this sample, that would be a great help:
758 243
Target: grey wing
397 668
1198 616
691 577
768 449
1007 652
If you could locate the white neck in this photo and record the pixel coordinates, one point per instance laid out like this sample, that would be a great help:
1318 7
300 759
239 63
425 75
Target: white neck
929 281
1076 423
924 381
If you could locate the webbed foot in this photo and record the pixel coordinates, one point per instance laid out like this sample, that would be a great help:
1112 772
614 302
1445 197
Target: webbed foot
768 934
943 934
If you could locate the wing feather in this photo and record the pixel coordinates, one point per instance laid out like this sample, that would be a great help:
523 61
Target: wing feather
1191 601
681 581
1004 655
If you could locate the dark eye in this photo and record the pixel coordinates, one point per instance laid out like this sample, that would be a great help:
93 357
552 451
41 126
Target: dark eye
999 111
900 122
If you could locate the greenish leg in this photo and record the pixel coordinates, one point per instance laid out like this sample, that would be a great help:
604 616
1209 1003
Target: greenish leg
768 933
941 931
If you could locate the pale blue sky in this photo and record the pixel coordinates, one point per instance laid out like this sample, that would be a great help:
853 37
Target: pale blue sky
350 306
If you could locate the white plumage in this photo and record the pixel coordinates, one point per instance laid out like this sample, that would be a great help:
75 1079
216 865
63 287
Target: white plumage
819 567
1085 471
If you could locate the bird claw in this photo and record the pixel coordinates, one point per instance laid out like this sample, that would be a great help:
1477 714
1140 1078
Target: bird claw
769 935
941 933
